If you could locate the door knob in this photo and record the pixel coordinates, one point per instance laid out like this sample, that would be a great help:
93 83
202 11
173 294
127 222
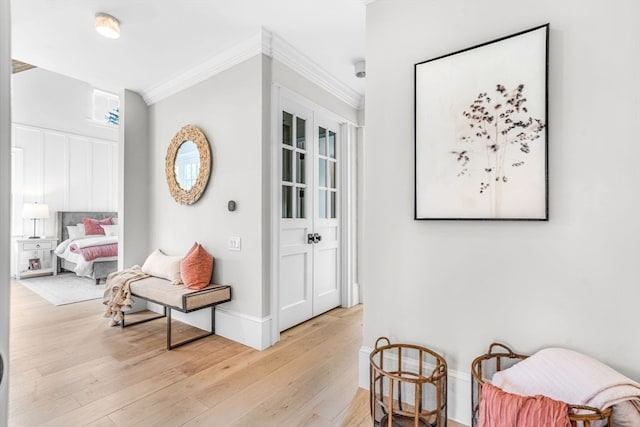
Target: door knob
313 238
1 368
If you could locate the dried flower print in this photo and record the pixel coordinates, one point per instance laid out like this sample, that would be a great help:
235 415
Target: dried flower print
500 127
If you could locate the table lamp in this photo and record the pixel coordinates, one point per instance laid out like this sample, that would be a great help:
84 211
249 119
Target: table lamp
35 212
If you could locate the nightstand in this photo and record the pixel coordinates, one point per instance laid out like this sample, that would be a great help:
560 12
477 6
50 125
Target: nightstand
36 257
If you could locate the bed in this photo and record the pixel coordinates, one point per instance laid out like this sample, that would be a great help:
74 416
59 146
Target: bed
71 253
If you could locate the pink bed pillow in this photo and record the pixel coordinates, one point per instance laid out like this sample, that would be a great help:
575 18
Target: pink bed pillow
93 226
196 268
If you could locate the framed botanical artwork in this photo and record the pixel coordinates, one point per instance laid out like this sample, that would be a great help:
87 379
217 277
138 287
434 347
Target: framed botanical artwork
481 131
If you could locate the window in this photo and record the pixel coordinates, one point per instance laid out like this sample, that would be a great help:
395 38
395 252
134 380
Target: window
105 107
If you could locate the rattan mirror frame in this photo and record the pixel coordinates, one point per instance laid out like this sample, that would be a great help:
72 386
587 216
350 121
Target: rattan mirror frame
188 133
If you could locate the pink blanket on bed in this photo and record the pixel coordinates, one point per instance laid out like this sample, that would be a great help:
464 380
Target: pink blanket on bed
501 409
92 252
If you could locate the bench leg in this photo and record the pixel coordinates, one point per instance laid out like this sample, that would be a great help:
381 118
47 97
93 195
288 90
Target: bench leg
172 346
169 329
160 316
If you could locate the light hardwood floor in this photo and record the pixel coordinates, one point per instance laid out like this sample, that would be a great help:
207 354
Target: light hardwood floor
68 368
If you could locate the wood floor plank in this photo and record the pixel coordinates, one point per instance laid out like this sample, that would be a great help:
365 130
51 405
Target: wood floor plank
69 368
302 385
358 413
113 402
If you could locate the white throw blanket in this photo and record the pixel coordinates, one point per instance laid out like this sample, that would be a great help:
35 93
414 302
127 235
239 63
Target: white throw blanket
98 240
574 378
117 296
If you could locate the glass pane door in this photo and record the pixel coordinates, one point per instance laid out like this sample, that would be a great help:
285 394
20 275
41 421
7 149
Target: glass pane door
327 179
294 170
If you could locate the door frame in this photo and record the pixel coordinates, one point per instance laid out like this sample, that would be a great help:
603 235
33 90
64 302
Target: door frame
5 200
347 171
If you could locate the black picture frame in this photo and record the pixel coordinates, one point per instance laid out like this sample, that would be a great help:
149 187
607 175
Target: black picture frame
481 131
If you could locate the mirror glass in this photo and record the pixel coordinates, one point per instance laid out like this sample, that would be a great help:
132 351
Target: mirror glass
187 165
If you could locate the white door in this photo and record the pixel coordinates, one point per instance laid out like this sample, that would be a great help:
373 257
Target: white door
309 224
326 261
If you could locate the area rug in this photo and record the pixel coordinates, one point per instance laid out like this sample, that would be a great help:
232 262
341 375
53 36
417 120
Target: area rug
64 288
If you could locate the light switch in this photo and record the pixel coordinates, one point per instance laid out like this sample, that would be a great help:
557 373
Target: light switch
234 243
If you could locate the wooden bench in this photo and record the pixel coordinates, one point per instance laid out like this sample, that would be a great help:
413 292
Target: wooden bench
180 298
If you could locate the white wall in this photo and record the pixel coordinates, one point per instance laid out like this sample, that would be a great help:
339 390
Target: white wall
50 100
290 79
5 199
233 109
458 286
134 160
59 156
267 206
227 108
64 170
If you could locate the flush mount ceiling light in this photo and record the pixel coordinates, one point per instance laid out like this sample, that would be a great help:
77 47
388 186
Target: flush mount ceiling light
107 25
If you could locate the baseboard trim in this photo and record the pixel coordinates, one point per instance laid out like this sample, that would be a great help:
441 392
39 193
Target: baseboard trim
248 330
251 331
458 383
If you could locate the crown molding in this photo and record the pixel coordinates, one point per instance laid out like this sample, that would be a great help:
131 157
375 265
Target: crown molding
263 42
284 52
214 65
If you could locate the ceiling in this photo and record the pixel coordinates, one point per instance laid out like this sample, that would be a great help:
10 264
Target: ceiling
162 41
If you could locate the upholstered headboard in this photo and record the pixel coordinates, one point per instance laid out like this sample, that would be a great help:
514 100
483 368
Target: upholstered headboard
66 218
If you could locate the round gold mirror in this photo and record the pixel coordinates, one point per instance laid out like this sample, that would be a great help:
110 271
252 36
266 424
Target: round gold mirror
188 165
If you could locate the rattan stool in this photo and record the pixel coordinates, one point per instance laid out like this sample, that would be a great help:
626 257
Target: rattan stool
408 386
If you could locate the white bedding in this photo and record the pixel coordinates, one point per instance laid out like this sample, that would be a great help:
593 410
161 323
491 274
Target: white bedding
84 268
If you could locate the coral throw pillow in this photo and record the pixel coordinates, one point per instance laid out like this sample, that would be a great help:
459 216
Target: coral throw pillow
197 267
93 226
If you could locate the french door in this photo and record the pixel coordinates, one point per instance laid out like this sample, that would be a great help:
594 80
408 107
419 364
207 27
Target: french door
309 264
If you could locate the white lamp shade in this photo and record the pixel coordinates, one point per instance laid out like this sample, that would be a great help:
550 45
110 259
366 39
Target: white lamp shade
35 211
107 26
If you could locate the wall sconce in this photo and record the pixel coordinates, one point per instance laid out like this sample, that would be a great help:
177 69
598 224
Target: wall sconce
107 25
35 211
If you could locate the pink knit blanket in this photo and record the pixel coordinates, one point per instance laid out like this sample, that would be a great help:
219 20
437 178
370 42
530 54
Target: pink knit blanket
90 253
502 409
575 378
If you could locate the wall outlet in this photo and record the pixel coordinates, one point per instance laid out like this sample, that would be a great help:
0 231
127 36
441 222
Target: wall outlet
234 243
